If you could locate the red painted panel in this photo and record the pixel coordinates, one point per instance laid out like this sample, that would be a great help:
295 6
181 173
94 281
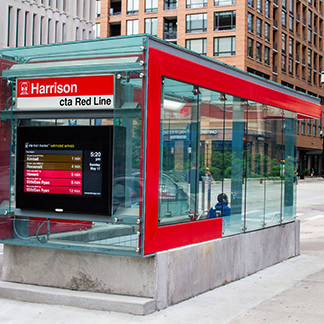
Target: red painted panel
164 64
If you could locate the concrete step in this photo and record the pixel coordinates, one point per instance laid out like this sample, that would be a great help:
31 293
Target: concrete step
81 299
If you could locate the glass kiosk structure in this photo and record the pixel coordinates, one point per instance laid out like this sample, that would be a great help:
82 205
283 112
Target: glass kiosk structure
122 146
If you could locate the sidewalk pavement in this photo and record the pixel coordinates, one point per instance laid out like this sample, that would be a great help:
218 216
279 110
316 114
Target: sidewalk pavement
289 292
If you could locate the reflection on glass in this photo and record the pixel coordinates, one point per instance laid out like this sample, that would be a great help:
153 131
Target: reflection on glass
127 179
224 156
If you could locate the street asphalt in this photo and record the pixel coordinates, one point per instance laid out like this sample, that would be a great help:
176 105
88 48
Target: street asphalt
289 292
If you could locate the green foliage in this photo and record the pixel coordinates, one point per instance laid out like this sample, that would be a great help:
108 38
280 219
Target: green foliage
306 171
228 172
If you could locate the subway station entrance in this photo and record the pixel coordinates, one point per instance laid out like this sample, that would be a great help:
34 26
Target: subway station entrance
130 163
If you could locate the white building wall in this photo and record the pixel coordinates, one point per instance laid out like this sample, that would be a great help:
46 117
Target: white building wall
63 21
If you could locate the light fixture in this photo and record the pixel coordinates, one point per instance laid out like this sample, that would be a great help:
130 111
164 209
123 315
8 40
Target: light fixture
173 105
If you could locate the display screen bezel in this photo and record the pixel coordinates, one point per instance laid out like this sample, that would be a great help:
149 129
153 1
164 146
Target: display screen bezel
83 138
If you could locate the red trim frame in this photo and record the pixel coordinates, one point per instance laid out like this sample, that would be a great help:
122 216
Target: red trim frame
159 238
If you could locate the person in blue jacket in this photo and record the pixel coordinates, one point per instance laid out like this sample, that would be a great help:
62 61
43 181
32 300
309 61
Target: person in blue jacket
220 209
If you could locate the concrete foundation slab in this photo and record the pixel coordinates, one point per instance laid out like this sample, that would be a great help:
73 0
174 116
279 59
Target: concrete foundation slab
164 279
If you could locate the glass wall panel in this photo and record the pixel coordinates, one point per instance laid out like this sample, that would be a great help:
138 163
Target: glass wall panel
179 169
239 170
255 116
127 185
87 231
289 168
275 153
264 158
213 139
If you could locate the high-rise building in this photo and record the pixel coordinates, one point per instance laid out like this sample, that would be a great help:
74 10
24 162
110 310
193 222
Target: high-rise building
34 22
280 41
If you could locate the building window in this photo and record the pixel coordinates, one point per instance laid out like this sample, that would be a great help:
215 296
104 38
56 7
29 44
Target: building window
319 127
250 22
291 66
258 54
267 32
132 6
41 30
250 47
224 46
57 31
26 29
309 126
259 5
309 75
196 23
266 55
64 32
18 34
251 3
283 43
98 8
196 3
170 28
9 26
314 127
151 5
284 19
151 26
225 20
197 45
291 23
283 63
267 8
309 18
170 4
97 30
259 27
303 126
132 27
309 58
291 47
77 33
224 2
309 36
33 29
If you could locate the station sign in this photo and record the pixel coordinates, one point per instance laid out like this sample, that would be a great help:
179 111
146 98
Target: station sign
76 92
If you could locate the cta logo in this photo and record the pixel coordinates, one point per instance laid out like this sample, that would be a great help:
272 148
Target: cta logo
24 88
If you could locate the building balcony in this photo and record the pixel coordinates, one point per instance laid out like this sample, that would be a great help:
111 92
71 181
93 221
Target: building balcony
170 34
114 12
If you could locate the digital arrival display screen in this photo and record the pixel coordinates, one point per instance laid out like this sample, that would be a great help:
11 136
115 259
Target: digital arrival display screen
50 169
65 168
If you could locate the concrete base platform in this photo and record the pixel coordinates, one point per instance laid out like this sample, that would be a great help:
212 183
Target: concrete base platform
81 299
111 282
